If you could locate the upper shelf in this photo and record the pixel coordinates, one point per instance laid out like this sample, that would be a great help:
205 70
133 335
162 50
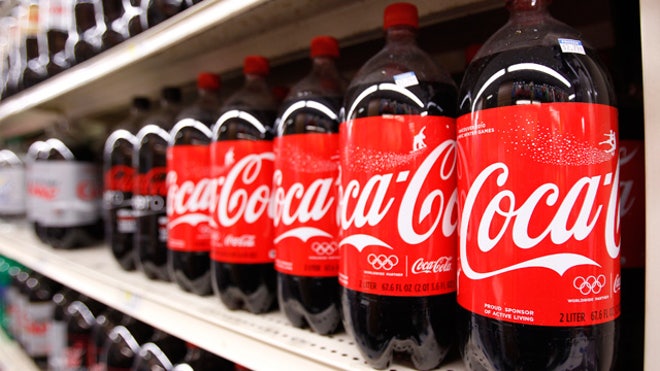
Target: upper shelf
259 342
213 35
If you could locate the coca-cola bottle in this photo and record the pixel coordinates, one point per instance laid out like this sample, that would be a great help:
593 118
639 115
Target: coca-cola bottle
304 193
627 74
37 151
104 323
539 281
9 40
85 36
80 318
57 331
123 344
34 70
14 296
242 249
38 314
56 15
197 358
116 29
68 184
118 184
149 186
161 352
190 188
159 10
398 201
133 15
12 189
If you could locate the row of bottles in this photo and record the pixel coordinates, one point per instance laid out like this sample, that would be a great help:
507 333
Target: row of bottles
40 39
61 329
341 204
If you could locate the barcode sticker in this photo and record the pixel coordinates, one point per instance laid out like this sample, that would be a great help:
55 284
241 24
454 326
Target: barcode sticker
571 46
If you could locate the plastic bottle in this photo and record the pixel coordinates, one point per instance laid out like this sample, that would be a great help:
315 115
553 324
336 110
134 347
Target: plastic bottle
242 249
627 76
160 10
133 14
37 151
161 352
197 358
57 18
189 189
539 280
118 183
304 193
80 318
123 343
116 29
57 331
104 323
149 188
34 70
67 183
398 201
38 314
84 39
13 188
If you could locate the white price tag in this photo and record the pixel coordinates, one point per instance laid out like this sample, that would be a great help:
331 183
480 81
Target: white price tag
406 79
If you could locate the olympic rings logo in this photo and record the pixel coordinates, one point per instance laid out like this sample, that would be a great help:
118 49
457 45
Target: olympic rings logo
382 261
590 284
324 248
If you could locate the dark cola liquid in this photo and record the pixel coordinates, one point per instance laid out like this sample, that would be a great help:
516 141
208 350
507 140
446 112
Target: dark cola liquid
489 344
249 286
191 270
117 198
307 300
423 325
149 203
85 233
89 40
57 61
122 346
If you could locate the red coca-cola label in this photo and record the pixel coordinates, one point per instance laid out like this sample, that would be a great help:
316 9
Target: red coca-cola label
398 212
152 182
189 195
119 178
305 203
633 201
241 223
539 196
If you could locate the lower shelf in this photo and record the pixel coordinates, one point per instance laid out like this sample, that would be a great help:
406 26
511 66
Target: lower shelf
265 341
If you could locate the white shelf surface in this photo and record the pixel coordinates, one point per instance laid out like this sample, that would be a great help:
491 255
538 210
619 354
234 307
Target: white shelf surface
259 342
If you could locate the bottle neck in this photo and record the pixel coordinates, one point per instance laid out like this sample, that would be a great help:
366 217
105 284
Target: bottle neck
324 66
527 11
396 35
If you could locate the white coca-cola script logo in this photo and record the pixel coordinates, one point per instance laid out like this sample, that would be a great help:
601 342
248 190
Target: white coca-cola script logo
517 216
234 202
371 201
313 202
442 264
188 202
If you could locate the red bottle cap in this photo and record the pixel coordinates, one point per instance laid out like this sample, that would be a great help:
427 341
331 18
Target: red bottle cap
256 65
208 81
324 46
401 14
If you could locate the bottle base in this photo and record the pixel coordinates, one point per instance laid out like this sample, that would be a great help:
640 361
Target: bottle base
534 347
